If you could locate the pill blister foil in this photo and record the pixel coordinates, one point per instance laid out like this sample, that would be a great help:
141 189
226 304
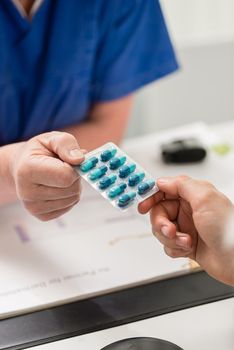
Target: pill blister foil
95 184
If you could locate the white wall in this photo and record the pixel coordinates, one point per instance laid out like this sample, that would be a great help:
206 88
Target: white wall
203 89
199 21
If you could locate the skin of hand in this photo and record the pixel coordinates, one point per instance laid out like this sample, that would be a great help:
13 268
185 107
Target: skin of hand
190 218
42 174
99 128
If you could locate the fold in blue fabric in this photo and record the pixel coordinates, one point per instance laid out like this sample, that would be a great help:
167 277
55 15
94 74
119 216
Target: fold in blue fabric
73 54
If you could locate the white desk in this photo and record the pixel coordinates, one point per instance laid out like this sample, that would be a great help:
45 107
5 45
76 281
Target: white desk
209 327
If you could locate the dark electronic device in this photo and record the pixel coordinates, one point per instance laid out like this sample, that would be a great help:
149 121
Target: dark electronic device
183 151
143 343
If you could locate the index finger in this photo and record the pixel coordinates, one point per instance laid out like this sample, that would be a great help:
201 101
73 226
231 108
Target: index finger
145 206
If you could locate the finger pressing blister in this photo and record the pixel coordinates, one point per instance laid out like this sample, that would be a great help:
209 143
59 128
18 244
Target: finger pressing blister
116 176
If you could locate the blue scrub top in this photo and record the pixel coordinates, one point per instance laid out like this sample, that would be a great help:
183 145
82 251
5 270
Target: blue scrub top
72 55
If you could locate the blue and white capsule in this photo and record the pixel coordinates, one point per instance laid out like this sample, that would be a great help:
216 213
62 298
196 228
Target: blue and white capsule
145 186
126 199
126 170
106 181
96 174
116 162
134 179
88 164
108 154
117 190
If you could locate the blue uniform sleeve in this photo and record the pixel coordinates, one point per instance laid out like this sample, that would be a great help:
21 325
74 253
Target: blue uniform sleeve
133 49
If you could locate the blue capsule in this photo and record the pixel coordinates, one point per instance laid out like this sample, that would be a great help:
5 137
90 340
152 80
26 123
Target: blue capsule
116 162
116 190
125 170
88 164
126 198
108 154
145 186
106 181
97 173
135 179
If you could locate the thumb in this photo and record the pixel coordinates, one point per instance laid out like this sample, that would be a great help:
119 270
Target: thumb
192 191
65 146
195 192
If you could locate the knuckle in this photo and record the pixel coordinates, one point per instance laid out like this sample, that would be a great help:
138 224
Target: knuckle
44 217
227 202
32 207
48 135
182 178
202 200
53 133
76 192
62 137
208 185
76 186
172 253
23 171
56 139
52 215
157 235
72 201
24 193
66 178
166 251
77 199
67 136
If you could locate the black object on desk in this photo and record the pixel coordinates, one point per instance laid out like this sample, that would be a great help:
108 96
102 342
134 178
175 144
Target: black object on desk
111 310
143 343
183 151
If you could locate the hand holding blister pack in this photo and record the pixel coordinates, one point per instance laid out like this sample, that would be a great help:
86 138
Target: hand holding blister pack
116 176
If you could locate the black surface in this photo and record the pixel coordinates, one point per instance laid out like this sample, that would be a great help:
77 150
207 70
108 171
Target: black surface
111 310
143 343
189 150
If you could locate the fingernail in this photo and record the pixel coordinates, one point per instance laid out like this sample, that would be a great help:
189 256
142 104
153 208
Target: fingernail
182 242
76 153
164 180
165 231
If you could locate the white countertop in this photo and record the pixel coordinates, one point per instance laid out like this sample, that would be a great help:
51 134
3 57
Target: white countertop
208 327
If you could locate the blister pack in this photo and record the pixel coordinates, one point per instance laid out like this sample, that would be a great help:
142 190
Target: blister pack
116 176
